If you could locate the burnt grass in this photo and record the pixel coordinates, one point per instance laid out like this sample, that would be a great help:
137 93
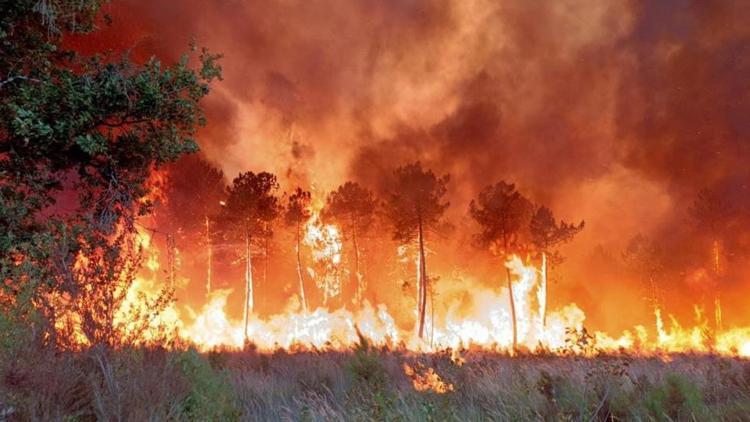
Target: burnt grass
154 384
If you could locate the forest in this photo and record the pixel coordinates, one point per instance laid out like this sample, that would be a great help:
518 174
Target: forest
404 211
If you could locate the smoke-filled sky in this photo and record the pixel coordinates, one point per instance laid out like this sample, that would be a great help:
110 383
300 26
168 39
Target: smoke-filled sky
615 112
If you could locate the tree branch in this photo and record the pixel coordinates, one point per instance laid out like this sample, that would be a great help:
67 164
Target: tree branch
13 78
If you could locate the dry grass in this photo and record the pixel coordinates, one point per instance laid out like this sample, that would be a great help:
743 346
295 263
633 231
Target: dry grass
366 384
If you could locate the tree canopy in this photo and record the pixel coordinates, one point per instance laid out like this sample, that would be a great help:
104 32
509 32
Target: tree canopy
251 204
503 215
352 206
417 197
79 137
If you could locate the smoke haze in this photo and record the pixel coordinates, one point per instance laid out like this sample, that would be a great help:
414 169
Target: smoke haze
617 113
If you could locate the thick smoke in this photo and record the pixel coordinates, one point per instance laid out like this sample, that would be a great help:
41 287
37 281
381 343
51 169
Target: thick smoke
618 113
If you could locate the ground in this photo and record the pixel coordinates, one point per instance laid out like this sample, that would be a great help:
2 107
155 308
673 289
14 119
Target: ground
369 384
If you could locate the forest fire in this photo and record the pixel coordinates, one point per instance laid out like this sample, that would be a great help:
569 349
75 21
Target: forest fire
398 210
486 326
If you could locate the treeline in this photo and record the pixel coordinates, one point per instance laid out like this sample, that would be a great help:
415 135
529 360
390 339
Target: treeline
411 210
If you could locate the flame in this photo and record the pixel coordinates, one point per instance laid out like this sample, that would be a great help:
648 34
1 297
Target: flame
486 324
326 245
426 379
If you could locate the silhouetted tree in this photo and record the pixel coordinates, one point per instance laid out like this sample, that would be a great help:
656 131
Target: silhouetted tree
193 193
251 204
415 205
546 235
645 258
503 215
352 207
711 214
295 216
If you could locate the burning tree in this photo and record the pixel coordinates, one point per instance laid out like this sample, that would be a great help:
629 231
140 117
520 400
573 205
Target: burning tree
546 235
713 215
503 215
295 216
193 192
352 207
414 206
102 305
645 258
97 123
250 206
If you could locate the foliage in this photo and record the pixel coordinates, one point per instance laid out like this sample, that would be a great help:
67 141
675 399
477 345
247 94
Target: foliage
211 397
101 308
251 204
154 384
416 198
352 207
79 137
193 192
297 210
503 215
414 206
365 365
546 233
677 398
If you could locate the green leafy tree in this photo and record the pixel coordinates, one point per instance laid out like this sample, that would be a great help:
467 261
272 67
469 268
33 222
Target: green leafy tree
503 215
546 235
352 207
295 216
250 207
79 137
415 205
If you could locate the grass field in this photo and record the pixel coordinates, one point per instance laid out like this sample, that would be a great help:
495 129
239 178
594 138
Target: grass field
368 384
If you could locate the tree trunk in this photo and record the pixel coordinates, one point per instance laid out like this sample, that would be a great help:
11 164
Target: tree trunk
266 249
512 299
543 304
422 281
299 271
171 260
249 305
512 308
717 314
209 252
357 276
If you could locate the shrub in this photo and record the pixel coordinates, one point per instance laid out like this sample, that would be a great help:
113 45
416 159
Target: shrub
677 398
211 397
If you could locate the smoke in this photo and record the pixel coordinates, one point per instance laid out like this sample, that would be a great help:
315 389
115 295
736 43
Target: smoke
617 112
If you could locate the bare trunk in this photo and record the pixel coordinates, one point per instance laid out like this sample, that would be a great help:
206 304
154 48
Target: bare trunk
717 314
422 281
171 260
209 252
543 304
718 270
299 271
357 276
512 308
249 305
266 248
512 302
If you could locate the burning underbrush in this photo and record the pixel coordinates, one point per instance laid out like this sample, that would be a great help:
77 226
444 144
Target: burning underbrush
145 316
